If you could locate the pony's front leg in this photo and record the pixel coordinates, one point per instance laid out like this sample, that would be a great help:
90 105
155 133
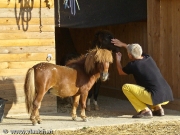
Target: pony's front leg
75 105
83 106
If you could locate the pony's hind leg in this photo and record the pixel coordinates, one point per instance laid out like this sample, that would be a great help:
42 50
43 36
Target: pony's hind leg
75 105
35 117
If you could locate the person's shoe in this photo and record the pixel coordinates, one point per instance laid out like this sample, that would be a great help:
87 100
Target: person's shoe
88 108
159 112
143 114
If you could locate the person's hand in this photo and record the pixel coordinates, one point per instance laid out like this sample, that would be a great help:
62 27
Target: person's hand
118 43
118 56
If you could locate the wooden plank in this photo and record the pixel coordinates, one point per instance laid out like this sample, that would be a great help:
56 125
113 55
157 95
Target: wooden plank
11 79
153 23
33 21
34 4
176 33
30 28
13 109
15 99
11 86
9 72
48 105
25 57
175 60
13 72
34 13
19 65
20 98
29 49
15 96
165 37
27 42
28 35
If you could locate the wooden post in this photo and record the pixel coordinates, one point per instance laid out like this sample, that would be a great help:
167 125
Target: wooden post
153 28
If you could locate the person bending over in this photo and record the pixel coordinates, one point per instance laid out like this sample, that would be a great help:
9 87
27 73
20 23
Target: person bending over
151 88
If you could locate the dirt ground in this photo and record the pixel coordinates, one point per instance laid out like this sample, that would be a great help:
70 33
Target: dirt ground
155 128
113 118
163 126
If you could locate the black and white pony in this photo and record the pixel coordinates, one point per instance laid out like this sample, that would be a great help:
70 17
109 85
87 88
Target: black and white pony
102 39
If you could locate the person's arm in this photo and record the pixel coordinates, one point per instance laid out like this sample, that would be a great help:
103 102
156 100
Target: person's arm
118 43
118 64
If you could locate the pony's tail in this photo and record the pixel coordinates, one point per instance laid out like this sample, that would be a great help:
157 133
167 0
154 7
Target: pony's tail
29 90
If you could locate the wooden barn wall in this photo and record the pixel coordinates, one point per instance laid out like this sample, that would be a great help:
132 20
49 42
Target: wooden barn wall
135 32
23 43
164 41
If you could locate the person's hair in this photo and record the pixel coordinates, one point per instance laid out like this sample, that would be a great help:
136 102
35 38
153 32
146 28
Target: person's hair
135 50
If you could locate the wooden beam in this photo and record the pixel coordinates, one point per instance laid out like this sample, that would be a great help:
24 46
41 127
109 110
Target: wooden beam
27 35
27 49
25 57
34 13
35 4
19 65
33 21
27 42
26 27
153 28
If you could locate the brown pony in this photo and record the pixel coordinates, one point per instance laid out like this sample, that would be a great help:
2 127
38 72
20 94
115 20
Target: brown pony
75 80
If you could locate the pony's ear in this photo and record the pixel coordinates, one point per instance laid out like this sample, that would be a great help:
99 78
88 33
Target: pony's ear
90 62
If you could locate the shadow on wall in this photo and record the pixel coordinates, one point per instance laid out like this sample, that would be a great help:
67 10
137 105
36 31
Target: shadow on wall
8 92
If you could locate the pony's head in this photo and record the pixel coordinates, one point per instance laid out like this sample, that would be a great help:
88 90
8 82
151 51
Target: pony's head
99 60
102 39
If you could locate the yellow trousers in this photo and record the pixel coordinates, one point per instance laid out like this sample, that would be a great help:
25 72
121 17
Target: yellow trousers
139 97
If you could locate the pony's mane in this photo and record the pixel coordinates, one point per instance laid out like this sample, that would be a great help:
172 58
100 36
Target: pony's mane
93 56
97 55
75 60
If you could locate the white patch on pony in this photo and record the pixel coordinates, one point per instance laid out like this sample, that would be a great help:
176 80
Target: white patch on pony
106 77
53 68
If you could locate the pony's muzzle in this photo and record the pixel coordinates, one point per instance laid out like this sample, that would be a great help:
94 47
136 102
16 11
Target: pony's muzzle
104 76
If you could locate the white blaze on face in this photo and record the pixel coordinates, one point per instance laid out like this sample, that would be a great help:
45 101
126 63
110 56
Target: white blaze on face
104 76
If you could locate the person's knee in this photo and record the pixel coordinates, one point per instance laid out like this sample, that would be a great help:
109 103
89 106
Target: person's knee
125 88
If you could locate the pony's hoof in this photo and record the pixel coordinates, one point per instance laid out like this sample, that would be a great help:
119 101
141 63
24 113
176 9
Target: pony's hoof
39 121
34 123
85 120
75 119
